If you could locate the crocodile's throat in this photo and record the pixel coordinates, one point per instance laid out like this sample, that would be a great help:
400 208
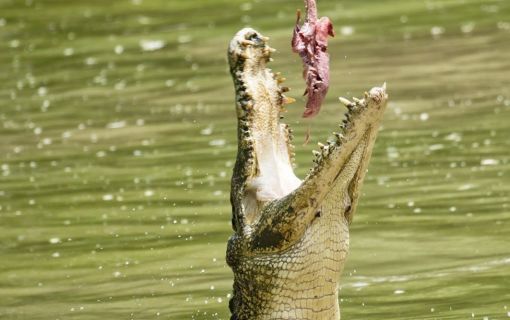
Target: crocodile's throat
284 224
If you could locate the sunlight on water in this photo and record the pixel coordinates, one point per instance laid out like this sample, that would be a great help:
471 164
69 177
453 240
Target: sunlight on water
118 141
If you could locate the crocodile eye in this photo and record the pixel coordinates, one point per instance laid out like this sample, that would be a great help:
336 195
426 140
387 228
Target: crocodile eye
255 38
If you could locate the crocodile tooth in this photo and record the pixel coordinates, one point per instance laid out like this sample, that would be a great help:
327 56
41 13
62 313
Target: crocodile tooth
249 105
246 104
345 101
279 78
288 100
338 135
321 145
268 51
264 38
245 42
384 86
366 95
358 101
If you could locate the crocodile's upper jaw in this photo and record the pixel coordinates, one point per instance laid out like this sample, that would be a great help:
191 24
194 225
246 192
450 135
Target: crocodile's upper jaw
260 101
291 236
274 176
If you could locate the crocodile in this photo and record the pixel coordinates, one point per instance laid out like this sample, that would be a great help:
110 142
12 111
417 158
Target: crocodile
291 236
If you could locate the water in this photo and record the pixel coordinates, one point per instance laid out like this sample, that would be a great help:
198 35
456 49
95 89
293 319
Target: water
118 140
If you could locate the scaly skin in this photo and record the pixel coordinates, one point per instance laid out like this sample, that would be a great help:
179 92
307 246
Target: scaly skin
291 237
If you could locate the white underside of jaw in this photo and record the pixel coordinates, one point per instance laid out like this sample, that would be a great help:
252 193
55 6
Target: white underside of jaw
276 177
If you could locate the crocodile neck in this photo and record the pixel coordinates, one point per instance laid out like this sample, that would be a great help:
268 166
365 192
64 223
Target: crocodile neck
291 236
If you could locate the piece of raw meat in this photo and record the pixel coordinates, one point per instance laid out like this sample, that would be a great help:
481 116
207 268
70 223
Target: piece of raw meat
310 41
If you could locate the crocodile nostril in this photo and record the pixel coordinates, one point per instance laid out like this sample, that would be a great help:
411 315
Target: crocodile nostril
318 214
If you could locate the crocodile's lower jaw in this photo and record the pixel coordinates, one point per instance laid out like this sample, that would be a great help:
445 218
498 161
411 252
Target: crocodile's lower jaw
291 237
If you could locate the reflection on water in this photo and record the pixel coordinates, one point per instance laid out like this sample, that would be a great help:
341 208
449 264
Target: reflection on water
118 140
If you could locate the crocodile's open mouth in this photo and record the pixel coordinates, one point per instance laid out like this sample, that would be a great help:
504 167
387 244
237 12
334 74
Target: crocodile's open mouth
265 154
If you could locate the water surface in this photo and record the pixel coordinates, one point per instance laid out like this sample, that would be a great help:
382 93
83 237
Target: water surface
118 139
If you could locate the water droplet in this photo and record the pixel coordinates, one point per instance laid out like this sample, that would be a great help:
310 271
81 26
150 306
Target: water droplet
347 30
118 49
42 91
14 43
504 25
454 136
217 142
90 61
206 131
489 162
116 125
184 38
435 147
68 52
467 27
436 31
151 45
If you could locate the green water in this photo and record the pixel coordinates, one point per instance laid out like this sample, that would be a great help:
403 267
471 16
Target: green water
118 137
